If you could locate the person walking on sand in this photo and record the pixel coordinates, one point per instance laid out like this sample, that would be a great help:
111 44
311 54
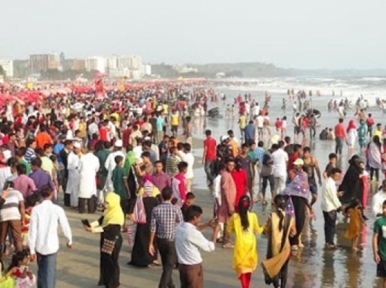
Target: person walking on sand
244 224
379 245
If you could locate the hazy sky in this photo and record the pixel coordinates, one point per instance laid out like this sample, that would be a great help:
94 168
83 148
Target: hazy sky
287 33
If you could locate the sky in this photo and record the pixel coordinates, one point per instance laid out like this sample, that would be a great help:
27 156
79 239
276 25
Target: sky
315 34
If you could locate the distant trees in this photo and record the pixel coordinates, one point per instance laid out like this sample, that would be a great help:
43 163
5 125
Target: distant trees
55 74
2 71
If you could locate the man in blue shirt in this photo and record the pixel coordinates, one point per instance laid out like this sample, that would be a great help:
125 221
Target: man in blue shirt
249 132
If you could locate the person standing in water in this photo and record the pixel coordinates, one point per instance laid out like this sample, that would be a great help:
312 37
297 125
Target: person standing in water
379 245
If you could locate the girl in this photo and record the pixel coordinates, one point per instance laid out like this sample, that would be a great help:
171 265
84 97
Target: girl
280 226
354 211
245 225
20 272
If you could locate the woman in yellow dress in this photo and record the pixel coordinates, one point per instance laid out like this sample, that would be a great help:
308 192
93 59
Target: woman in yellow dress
244 224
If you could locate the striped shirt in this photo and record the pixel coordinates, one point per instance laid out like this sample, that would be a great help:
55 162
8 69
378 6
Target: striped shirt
164 219
171 165
29 155
10 210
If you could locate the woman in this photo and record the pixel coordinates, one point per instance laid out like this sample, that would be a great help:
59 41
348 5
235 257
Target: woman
144 205
109 226
240 178
245 225
280 226
374 157
351 136
352 185
297 194
362 132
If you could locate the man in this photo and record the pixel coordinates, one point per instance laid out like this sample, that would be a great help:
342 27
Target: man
340 137
5 172
164 219
73 182
249 132
378 131
30 153
23 183
189 159
246 163
160 127
228 197
331 206
43 137
146 147
280 161
370 123
88 168
189 240
92 128
242 124
209 155
379 245
164 150
233 144
378 200
260 126
310 167
160 178
172 162
136 133
39 176
11 215
121 186
63 154
110 164
178 183
297 153
43 237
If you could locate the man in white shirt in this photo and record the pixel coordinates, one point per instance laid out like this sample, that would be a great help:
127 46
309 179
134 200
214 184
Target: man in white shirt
330 206
188 242
260 126
110 164
280 160
378 200
43 236
188 158
92 128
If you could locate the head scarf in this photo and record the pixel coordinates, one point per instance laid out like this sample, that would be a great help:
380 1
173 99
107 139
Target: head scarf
297 187
113 213
351 125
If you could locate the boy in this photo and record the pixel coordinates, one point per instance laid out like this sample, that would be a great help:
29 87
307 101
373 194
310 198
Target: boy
178 183
331 164
190 197
121 186
379 245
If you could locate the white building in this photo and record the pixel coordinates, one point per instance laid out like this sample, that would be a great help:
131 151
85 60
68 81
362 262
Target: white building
145 70
96 63
135 62
8 67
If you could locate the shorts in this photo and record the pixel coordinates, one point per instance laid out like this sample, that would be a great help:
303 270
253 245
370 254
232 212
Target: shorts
313 188
297 129
174 128
381 269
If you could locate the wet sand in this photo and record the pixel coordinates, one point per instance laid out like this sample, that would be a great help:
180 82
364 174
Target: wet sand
313 266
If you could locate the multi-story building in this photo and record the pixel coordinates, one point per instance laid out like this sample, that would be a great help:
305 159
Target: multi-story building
74 64
43 62
135 62
145 70
21 68
8 67
96 64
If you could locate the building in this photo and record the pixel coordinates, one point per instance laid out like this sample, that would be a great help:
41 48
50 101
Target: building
135 63
74 64
96 64
145 70
8 68
21 68
43 62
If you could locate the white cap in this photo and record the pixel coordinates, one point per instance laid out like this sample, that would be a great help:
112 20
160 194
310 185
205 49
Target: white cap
223 138
77 145
118 143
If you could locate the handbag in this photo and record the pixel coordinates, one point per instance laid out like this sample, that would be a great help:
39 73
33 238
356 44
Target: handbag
108 246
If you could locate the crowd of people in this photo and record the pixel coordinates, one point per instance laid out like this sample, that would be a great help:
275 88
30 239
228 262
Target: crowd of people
130 157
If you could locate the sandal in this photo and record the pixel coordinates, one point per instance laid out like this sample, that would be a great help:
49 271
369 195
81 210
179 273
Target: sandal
228 246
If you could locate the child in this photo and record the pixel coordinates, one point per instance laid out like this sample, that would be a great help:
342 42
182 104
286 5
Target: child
30 202
354 211
278 124
190 197
331 164
20 272
178 184
379 245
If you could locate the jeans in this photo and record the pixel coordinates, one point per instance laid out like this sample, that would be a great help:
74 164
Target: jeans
329 226
168 254
374 171
338 146
46 270
208 171
267 179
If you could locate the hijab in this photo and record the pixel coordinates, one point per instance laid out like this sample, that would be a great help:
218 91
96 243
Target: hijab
113 213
